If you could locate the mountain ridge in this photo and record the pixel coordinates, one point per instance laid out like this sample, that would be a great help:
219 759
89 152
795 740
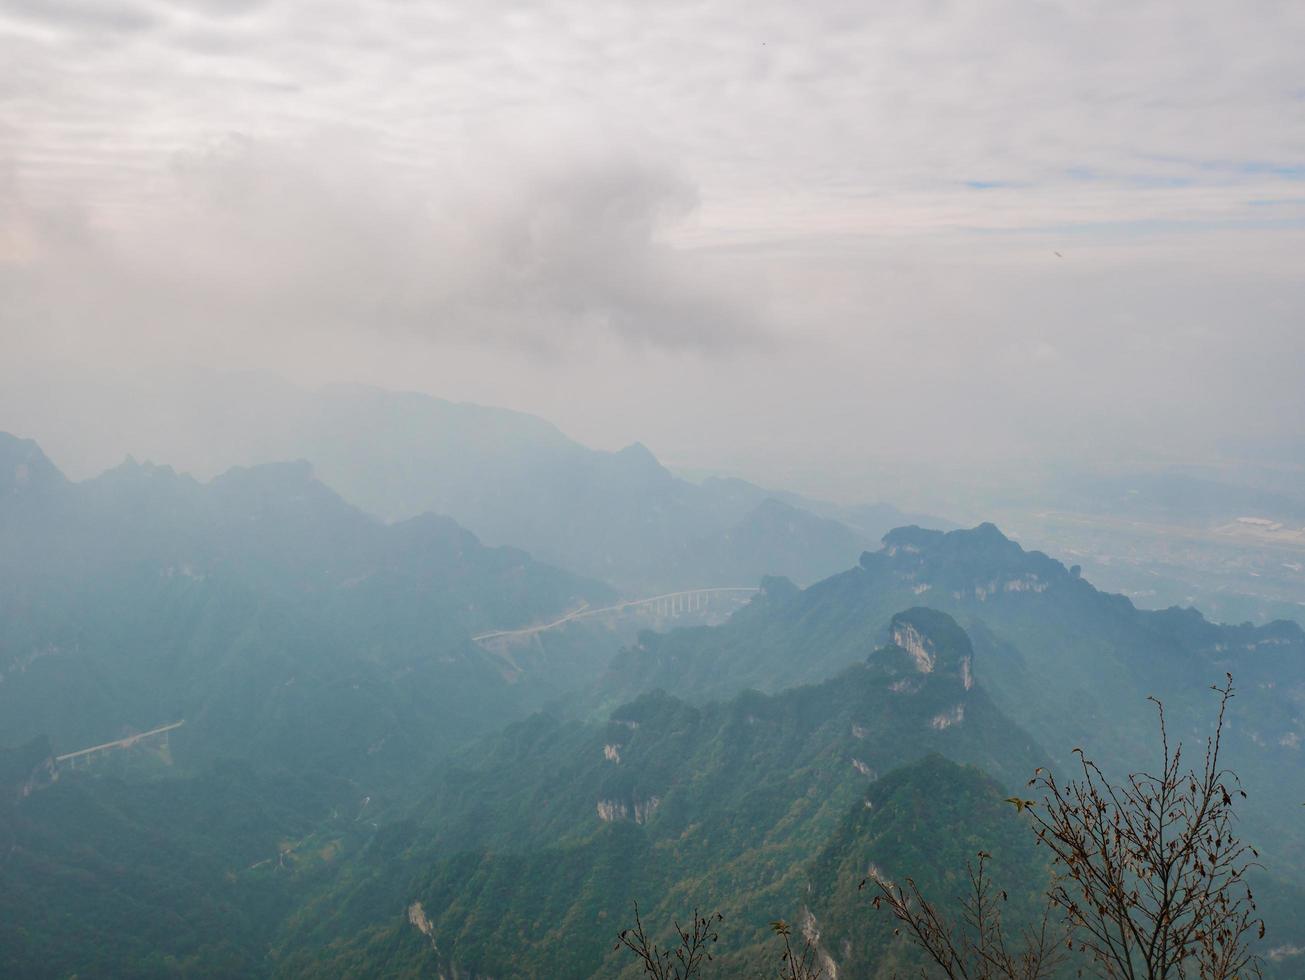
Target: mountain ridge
510 477
730 803
250 603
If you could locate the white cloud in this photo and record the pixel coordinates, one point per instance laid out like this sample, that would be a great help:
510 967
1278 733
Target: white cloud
1110 111
257 238
782 215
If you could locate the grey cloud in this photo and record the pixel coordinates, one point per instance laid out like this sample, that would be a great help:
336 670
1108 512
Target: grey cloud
544 258
92 15
434 194
223 9
897 104
582 247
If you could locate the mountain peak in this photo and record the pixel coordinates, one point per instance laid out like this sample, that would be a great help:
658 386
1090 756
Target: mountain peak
936 643
25 469
980 560
637 452
267 476
779 588
986 538
911 539
130 470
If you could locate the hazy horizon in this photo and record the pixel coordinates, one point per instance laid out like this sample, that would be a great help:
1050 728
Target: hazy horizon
632 474
787 243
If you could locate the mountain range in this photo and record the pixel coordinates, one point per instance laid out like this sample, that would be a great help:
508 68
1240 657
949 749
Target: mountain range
1052 640
277 620
360 788
509 477
528 843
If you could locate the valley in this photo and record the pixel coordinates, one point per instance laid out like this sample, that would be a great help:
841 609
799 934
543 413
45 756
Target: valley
410 752
630 491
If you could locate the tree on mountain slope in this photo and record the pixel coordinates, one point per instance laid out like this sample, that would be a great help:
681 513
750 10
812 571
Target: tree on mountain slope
683 961
1149 879
1148 883
688 959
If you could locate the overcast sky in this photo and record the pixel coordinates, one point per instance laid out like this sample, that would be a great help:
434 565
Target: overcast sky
752 235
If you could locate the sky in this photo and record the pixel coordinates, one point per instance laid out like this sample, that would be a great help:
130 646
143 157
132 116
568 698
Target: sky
771 238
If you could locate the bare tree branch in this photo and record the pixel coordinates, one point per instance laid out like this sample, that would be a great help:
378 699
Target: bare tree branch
1150 878
977 948
682 962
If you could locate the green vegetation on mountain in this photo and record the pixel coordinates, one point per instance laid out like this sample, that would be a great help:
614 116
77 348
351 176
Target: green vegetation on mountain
105 877
281 623
1073 665
552 911
360 789
531 845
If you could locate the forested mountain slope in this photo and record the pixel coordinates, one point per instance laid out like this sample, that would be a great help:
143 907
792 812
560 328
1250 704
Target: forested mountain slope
1034 615
530 846
1073 665
280 622
102 877
761 766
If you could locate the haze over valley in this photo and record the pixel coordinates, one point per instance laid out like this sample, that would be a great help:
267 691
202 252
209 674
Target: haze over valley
561 491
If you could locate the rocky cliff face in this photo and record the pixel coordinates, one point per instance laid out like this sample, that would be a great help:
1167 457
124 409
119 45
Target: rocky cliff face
935 643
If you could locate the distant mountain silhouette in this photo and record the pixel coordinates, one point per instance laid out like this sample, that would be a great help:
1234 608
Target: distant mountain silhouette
511 478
